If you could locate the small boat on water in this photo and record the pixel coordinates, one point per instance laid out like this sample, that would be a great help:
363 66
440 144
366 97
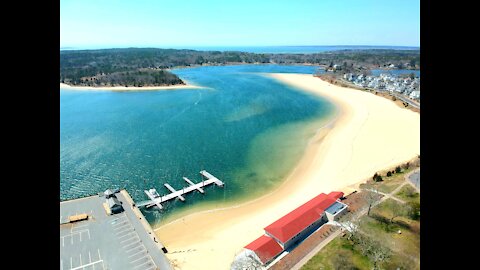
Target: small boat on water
154 193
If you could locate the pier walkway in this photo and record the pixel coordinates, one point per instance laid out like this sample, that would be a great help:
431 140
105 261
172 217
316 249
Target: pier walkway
156 201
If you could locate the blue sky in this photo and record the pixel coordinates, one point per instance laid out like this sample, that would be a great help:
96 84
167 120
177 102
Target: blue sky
163 23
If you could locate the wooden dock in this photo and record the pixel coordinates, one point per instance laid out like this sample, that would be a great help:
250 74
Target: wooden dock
210 179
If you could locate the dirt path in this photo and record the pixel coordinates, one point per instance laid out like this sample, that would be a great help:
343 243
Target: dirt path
389 195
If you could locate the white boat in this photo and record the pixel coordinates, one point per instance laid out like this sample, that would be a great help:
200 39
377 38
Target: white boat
154 193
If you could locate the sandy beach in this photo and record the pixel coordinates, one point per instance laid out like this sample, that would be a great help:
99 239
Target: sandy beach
370 134
123 88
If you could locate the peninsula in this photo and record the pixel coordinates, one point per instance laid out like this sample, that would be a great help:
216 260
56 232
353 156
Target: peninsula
149 67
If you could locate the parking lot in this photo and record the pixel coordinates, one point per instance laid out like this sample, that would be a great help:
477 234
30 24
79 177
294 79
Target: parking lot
104 241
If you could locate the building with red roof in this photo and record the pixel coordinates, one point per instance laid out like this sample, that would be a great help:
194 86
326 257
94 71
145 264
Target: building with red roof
297 225
335 194
265 248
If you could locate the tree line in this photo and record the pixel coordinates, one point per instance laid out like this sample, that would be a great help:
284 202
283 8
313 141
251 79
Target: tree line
83 67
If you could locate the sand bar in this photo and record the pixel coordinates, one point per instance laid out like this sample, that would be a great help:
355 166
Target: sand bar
370 134
130 88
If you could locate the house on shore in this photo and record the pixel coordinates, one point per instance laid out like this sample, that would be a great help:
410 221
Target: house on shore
415 94
291 229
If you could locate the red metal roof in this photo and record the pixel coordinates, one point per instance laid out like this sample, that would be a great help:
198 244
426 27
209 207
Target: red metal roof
265 247
296 221
335 194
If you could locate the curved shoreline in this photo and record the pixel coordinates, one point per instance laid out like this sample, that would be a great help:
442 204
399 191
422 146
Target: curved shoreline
320 133
123 88
370 133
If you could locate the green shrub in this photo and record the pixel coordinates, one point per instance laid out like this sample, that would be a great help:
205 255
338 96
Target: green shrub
414 212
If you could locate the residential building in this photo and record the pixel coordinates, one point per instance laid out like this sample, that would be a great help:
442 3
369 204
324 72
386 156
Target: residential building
415 94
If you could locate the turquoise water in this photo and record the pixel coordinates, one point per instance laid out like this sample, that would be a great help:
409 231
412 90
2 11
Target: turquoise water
245 128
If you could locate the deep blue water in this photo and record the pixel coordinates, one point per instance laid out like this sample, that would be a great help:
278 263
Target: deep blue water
293 49
261 49
245 128
377 72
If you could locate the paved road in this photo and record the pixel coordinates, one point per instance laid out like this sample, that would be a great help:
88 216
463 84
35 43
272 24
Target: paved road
404 99
414 178
410 102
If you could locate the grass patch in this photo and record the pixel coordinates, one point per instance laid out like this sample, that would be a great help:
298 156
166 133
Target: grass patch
386 208
405 246
389 183
338 252
383 213
408 194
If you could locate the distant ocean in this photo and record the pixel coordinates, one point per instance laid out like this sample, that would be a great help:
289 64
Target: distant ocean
262 49
247 129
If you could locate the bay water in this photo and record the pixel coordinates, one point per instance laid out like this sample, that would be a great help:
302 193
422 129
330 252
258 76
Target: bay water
244 127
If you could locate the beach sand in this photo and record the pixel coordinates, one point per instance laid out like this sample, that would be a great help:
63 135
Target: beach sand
370 134
131 88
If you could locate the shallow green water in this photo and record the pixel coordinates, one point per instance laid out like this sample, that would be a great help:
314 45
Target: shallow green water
245 128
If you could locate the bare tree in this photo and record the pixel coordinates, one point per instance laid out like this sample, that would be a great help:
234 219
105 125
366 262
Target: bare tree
364 243
247 262
378 254
398 209
352 228
373 249
371 197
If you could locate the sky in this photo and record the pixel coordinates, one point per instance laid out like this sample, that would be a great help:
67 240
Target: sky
176 23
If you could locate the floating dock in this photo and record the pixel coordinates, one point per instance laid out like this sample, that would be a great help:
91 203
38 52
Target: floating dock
156 201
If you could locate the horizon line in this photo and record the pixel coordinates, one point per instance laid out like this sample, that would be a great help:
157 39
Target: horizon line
219 46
